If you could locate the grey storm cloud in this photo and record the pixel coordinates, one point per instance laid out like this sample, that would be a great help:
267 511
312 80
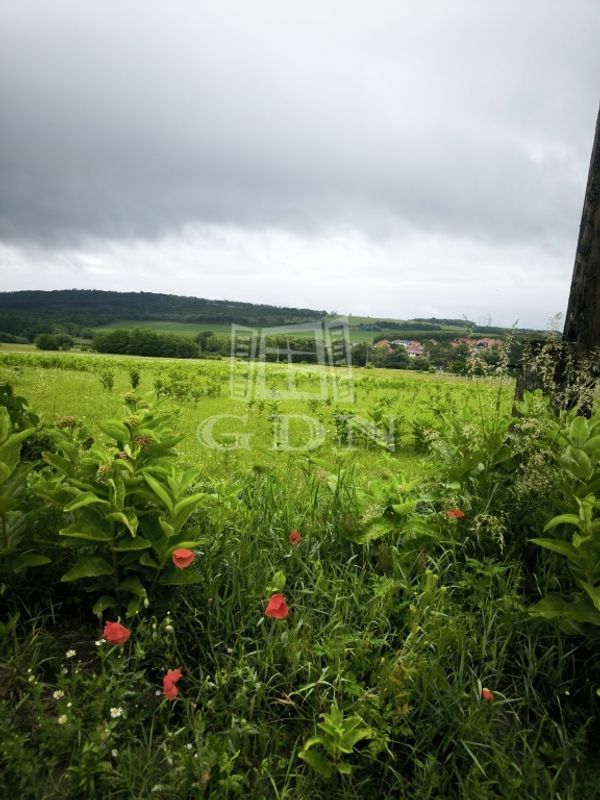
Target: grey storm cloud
132 120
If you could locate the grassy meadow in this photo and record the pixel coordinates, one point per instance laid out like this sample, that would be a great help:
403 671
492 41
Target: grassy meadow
194 613
199 390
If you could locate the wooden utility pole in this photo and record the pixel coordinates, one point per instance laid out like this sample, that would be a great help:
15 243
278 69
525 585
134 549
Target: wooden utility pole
568 369
582 322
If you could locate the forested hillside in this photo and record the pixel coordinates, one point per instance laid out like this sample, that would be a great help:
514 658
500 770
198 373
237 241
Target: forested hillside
29 313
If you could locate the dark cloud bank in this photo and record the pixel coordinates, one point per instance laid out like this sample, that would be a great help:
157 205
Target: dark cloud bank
123 122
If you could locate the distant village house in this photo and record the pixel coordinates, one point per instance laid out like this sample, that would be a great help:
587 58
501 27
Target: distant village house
483 344
413 349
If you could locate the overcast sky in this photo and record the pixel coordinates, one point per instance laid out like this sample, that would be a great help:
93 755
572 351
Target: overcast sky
378 157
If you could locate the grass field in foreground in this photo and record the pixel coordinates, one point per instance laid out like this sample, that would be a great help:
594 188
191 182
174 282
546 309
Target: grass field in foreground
335 630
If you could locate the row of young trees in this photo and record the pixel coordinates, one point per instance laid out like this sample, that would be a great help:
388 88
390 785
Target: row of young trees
450 358
280 348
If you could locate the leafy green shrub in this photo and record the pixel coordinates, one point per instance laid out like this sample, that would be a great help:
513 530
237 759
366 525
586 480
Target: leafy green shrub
127 505
107 378
134 378
17 545
339 736
579 603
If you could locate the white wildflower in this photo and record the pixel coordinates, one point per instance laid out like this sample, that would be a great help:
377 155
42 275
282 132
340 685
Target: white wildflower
116 712
58 694
62 719
70 653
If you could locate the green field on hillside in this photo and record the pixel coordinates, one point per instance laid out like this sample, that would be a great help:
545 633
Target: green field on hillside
356 334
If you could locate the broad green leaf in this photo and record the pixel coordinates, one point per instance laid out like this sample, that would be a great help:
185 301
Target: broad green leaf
343 768
133 585
419 526
592 446
59 463
16 439
374 530
5 471
404 508
184 508
127 517
146 560
582 610
115 429
321 765
9 451
4 424
551 606
130 545
593 592
579 431
88 567
7 502
25 560
278 582
159 490
117 494
577 462
180 577
85 530
562 519
168 529
104 602
558 546
352 737
84 499
554 607
134 606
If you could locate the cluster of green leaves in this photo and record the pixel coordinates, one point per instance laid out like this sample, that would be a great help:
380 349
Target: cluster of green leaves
17 515
407 512
339 736
127 507
576 532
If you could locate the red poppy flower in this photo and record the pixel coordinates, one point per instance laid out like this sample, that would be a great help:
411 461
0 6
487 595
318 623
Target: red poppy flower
182 557
487 695
115 633
277 607
294 538
170 679
456 513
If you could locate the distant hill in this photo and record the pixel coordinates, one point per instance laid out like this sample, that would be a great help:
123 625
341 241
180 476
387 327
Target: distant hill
81 312
28 313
